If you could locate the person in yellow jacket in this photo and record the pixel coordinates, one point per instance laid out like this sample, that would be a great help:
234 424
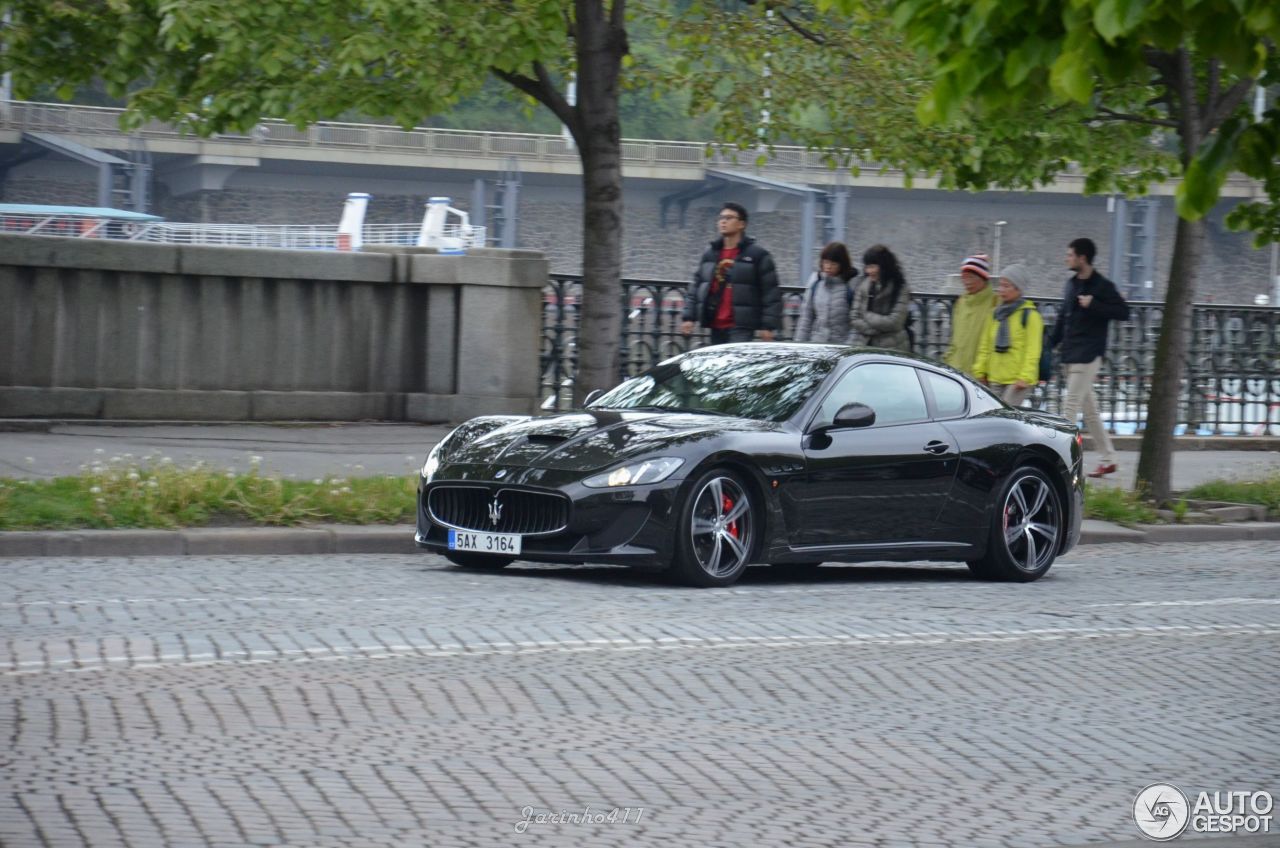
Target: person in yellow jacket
970 313
1009 353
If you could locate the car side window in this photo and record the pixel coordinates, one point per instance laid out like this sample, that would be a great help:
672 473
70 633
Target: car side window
893 391
948 395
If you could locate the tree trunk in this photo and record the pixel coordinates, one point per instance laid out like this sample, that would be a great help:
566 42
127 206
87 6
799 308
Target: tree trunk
601 44
1155 462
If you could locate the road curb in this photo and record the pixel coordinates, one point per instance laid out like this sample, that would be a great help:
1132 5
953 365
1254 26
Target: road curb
206 541
398 539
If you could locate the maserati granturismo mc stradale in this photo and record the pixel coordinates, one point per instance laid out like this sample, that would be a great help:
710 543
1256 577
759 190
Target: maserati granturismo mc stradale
780 454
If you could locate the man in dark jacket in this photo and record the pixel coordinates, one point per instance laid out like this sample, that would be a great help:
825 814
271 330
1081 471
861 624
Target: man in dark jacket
1089 304
735 289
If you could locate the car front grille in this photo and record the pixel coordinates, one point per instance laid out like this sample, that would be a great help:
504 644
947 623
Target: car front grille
517 510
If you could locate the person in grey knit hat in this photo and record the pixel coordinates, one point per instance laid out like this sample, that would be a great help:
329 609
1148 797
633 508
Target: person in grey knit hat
1009 353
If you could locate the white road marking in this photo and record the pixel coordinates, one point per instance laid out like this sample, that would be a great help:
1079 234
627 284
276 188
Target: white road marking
638 643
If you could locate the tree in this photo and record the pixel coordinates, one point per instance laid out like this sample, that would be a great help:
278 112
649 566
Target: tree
847 84
1182 67
215 65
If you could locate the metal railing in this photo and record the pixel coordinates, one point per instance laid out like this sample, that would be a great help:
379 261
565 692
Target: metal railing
286 236
1231 386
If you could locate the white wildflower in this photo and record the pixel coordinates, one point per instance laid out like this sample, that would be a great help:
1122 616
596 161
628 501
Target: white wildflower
132 475
152 484
95 490
316 482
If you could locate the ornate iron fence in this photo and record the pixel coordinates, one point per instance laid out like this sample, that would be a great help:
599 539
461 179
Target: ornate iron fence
1231 385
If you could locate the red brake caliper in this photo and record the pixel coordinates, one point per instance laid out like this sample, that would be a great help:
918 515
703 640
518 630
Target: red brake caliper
733 525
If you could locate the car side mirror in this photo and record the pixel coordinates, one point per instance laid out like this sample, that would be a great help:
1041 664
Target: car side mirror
592 395
853 415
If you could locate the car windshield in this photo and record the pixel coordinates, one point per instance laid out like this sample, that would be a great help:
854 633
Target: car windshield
766 383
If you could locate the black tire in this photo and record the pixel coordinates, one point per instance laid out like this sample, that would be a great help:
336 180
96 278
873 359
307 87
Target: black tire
1026 529
717 530
479 562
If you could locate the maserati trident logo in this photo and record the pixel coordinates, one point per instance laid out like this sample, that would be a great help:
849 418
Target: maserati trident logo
495 511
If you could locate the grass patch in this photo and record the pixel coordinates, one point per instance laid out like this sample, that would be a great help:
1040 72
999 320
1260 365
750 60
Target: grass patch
108 496
1119 506
1265 492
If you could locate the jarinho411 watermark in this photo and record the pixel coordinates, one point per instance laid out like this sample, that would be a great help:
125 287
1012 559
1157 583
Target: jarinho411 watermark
1163 812
617 815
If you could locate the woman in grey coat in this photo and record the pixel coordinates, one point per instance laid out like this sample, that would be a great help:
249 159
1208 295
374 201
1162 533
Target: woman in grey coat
881 303
824 315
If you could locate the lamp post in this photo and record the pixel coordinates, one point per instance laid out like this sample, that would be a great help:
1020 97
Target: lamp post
995 254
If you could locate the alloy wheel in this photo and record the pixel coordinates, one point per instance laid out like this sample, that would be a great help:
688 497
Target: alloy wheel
1032 524
722 526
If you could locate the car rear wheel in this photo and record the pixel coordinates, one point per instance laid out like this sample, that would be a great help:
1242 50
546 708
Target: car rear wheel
482 562
717 530
1026 529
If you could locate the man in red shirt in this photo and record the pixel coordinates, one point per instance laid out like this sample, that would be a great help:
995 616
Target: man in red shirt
735 290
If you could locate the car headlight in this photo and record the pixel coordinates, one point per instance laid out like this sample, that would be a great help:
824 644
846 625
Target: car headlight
635 473
432 464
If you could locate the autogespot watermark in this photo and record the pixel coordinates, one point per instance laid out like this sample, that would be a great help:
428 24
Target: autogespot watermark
617 815
1162 812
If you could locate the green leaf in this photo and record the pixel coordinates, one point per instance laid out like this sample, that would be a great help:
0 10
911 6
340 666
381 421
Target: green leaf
1202 183
1071 77
1256 150
1114 18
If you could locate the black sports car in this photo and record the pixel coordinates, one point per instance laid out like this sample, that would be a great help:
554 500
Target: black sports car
763 453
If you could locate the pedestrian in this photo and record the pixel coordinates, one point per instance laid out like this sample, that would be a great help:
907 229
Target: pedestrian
1089 304
735 290
881 303
971 312
1009 353
824 315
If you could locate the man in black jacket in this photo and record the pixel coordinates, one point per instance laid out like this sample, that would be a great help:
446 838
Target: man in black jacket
1089 304
735 288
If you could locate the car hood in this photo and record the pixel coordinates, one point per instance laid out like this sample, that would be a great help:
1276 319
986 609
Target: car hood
585 441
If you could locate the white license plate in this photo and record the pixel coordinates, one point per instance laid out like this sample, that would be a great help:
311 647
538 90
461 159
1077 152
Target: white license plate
484 543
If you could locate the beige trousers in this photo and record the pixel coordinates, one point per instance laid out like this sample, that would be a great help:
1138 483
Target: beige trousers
1080 377
1010 393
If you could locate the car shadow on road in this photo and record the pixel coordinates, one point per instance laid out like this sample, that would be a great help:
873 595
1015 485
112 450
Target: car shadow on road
776 575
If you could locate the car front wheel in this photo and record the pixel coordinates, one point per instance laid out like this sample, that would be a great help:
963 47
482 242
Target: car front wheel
717 530
1026 529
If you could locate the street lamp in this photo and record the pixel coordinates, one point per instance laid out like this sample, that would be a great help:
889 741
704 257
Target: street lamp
995 254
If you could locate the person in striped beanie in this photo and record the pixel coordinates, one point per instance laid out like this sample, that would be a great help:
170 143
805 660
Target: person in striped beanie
970 313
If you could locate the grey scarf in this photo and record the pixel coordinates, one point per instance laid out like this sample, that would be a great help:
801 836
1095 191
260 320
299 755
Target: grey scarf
1002 313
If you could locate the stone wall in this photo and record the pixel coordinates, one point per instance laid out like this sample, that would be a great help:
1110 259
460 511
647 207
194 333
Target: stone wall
930 231
96 328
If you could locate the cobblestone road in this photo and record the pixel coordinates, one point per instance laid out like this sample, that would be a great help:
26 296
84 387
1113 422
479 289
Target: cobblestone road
391 700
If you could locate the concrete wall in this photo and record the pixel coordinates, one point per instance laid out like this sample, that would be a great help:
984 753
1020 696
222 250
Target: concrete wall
139 331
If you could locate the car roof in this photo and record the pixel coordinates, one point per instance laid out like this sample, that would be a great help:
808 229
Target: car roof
827 352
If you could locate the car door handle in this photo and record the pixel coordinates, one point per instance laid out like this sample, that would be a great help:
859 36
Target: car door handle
936 447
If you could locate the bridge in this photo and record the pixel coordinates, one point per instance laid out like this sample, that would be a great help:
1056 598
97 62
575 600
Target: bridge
524 188
355 145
